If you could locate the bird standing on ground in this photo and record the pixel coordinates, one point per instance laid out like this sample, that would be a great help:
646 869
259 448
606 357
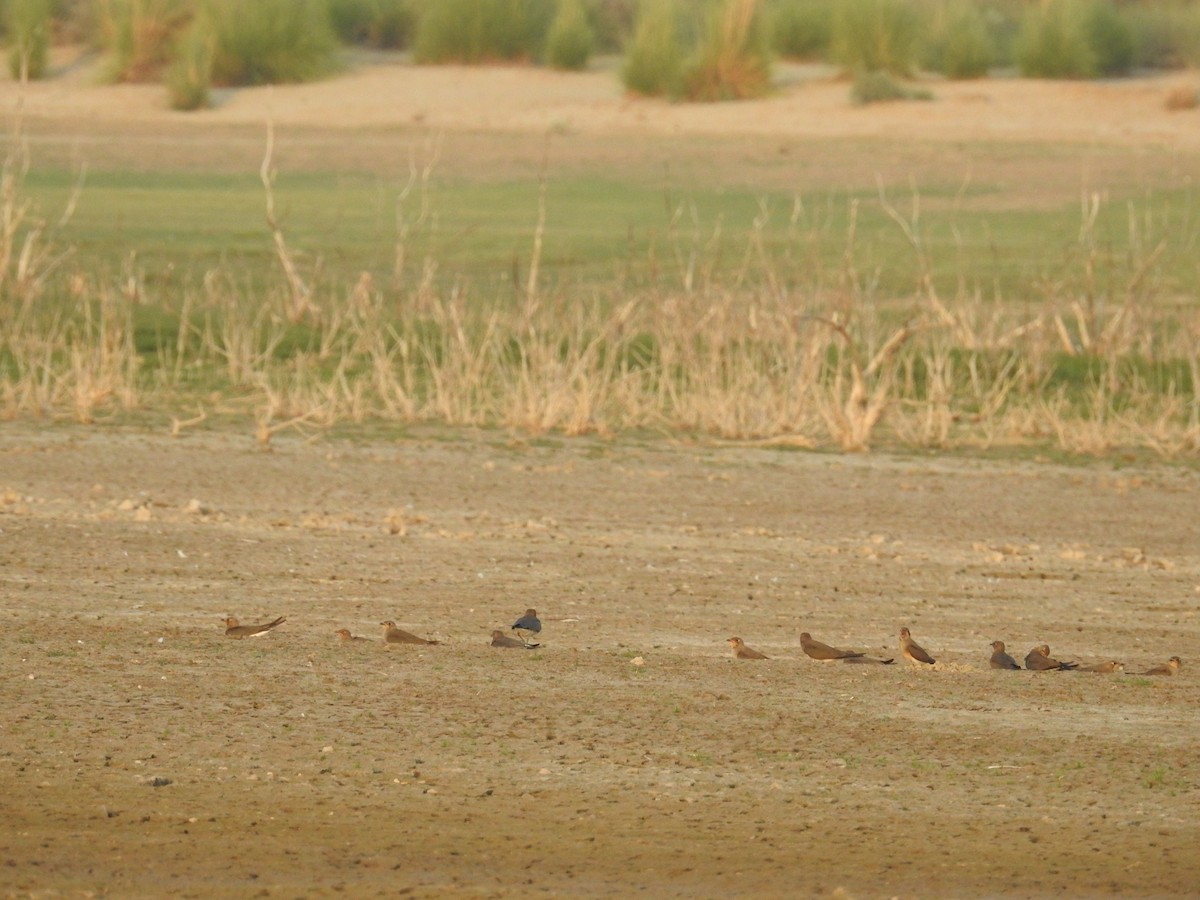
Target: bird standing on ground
1000 659
1039 660
823 652
913 651
741 651
394 635
1170 667
528 625
500 639
234 630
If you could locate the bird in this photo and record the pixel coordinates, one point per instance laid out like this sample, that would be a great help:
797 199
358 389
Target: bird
528 625
1039 660
913 651
500 639
394 635
234 630
741 651
1000 659
1105 668
817 650
1170 667
347 637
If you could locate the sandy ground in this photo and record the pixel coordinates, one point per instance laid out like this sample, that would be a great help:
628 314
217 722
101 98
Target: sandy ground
142 753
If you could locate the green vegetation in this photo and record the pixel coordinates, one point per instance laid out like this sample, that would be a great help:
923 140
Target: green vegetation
569 43
957 42
732 60
189 77
270 41
800 29
882 87
28 23
876 35
654 61
479 31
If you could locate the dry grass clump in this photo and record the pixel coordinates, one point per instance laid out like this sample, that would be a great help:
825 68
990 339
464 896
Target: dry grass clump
1182 97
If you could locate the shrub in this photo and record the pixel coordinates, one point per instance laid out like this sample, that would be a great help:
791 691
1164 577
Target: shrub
476 31
654 63
28 26
959 45
1054 42
1110 38
800 29
733 61
882 87
138 36
1165 34
387 24
270 41
612 23
876 35
189 77
569 43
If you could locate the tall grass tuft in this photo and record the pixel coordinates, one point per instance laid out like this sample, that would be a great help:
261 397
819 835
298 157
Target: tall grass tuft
480 31
189 77
957 43
800 29
138 35
569 42
654 62
1055 43
386 24
270 41
876 35
28 24
1110 37
733 59
1166 34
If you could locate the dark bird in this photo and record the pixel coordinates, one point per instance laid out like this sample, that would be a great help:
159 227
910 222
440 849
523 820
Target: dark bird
1039 660
394 635
1170 667
500 639
234 630
741 651
868 659
528 625
913 651
817 650
1000 659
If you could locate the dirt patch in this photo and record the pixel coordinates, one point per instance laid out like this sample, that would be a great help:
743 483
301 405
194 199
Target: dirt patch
142 752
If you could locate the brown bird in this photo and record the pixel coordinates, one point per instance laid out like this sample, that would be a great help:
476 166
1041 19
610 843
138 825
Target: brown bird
1105 668
347 637
820 651
913 651
1039 660
741 651
234 630
1000 659
394 635
868 659
500 639
1170 667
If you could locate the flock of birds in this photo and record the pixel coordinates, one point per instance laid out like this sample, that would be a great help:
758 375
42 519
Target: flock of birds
528 626
1036 660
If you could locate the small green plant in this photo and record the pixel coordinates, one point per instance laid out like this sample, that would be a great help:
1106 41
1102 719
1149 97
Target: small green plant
871 35
569 43
654 63
733 61
189 77
28 25
270 41
1155 777
883 87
